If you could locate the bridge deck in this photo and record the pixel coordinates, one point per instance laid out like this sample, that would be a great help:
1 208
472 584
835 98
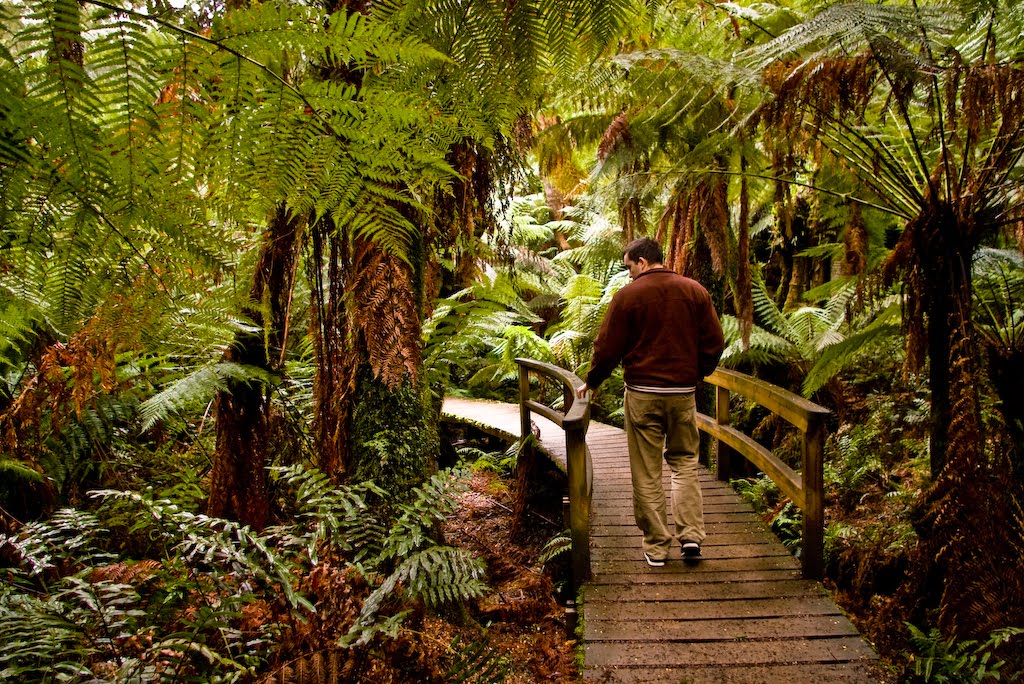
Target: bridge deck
742 615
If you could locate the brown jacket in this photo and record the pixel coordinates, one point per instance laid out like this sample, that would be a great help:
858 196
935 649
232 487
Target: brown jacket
664 330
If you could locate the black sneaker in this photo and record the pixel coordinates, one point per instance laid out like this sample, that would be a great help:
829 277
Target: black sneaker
654 562
691 551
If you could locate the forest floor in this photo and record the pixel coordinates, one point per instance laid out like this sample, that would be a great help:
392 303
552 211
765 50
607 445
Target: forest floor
523 623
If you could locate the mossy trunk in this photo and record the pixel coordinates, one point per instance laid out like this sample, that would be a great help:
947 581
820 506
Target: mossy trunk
238 480
394 434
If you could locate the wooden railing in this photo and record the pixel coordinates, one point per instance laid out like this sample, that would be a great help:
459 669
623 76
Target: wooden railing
806 487
574 420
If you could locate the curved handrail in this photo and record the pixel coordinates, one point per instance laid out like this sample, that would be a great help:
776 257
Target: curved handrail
806 487
579 409
798 411
574 421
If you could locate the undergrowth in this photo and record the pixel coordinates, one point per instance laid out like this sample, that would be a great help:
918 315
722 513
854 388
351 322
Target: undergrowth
141 589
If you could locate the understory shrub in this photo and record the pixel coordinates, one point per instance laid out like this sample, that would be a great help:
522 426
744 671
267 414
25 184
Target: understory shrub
211 600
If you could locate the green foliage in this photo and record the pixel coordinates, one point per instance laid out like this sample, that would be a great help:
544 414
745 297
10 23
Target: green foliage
941 659
857 463
423 570
78 606
782 515
760 492
466 327
475 663
197 389
556 546
502 463
999 297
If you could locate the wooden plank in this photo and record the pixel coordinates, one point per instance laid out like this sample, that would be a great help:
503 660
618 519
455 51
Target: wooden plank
831 673
711 610
650 593
657 631
781 651
717 531
708 553
707 577
779 562
625 507
601 517
631 538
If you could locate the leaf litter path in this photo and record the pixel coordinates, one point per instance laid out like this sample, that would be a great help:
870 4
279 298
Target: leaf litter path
742 615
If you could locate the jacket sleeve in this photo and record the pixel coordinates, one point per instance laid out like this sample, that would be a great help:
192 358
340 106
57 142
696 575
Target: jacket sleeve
610 345
711 341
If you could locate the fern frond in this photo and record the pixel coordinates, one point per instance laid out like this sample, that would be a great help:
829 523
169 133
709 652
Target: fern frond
40 639
430 503
443 574
475 662
338 514
198 389
201 539
843 24
764 347
67 536
835 357
556 546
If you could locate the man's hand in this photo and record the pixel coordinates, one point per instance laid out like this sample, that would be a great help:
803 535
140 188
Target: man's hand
582 390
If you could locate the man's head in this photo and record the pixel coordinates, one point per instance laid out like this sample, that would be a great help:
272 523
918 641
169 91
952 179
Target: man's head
642 254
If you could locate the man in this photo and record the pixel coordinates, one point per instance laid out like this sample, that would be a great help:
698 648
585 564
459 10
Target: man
664 330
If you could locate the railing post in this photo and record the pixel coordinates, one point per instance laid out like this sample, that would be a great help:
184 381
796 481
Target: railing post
724 466
579 505
525 430
814 499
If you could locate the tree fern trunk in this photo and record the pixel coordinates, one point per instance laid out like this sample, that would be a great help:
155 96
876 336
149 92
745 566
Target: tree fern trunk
334 380
945 262
394 438
238 481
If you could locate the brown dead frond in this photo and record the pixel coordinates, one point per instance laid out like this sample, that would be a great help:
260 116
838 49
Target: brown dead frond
676 229
69 377
616 137
823 89
126 573
386 314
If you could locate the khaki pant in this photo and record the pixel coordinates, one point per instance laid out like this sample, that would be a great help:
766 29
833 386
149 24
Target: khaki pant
664 426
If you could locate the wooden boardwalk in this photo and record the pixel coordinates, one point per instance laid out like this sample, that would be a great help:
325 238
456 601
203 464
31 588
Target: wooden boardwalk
743 614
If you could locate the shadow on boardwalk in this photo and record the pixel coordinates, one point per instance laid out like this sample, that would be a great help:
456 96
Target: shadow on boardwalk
743 614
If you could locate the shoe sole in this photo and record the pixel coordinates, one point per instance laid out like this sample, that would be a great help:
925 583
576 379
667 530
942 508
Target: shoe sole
654 563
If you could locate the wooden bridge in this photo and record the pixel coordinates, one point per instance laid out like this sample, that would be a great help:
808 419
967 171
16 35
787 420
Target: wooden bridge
745 613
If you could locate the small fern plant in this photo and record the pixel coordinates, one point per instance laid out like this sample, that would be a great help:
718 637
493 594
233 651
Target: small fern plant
942 659
421 568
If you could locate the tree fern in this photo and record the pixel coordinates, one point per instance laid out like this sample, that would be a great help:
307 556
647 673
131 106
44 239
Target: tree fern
198 388
839 24
839 355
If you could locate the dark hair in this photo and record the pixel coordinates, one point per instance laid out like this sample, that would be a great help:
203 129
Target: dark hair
644 248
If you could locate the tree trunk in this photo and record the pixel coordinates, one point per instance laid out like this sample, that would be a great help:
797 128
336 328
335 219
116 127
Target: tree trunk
945 262
394 438
238 481
335 373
